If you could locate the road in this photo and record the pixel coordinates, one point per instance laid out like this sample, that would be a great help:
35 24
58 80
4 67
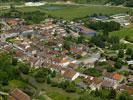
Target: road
125 42
3 93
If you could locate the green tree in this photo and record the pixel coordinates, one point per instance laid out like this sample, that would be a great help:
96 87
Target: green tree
129 51
48 80
121 54
112 94
24 68
41 74
53 74
118 65
71 87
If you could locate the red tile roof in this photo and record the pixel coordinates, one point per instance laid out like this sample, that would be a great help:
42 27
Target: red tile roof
18 95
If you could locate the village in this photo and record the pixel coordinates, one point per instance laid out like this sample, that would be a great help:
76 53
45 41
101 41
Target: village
51 45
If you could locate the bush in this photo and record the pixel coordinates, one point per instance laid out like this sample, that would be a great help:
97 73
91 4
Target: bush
130 67
54 84
71 88
93 72
110 69
118 65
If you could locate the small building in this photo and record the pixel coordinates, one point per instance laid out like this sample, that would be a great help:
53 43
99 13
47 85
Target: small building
130 78
113 77
70 74
130 62
96 83
34 3
126 88
109 84
81 85
17 94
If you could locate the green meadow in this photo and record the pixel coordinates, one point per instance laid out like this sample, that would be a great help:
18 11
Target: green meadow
123 32
74 12
70 12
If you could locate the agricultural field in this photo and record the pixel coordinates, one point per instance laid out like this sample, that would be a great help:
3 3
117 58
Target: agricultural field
70 12
123 32
74 12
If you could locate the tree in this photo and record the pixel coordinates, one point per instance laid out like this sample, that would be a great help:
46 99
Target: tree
66 45
3 77
114 40
121 54
112 94
14 61
92 72
64 84
12 8
130 67
110 69
24 68
53 74
118 65
129 51
97 93
132 56
41 74
71 87
48 80
124 96
0 28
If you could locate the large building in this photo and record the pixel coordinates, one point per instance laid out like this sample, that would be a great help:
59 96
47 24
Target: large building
87 31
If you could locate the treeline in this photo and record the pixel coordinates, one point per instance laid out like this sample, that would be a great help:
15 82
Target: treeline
10 69
29 17
128 3
106 26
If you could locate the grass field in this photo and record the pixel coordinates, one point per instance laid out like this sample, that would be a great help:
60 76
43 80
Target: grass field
70 12
123 32
82 11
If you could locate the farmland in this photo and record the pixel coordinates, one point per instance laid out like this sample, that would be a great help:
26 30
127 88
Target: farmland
123 32
70 12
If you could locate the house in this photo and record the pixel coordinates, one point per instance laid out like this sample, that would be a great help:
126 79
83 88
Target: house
95 83
87 31
111 63
109 84
130 78
70 74
36 62
55 67
17 94
88 78
64 62
99 18
81 85
126 88
88 64
75 50
19 54
72 65
130 62
12 22
122 15
61 61
113 77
